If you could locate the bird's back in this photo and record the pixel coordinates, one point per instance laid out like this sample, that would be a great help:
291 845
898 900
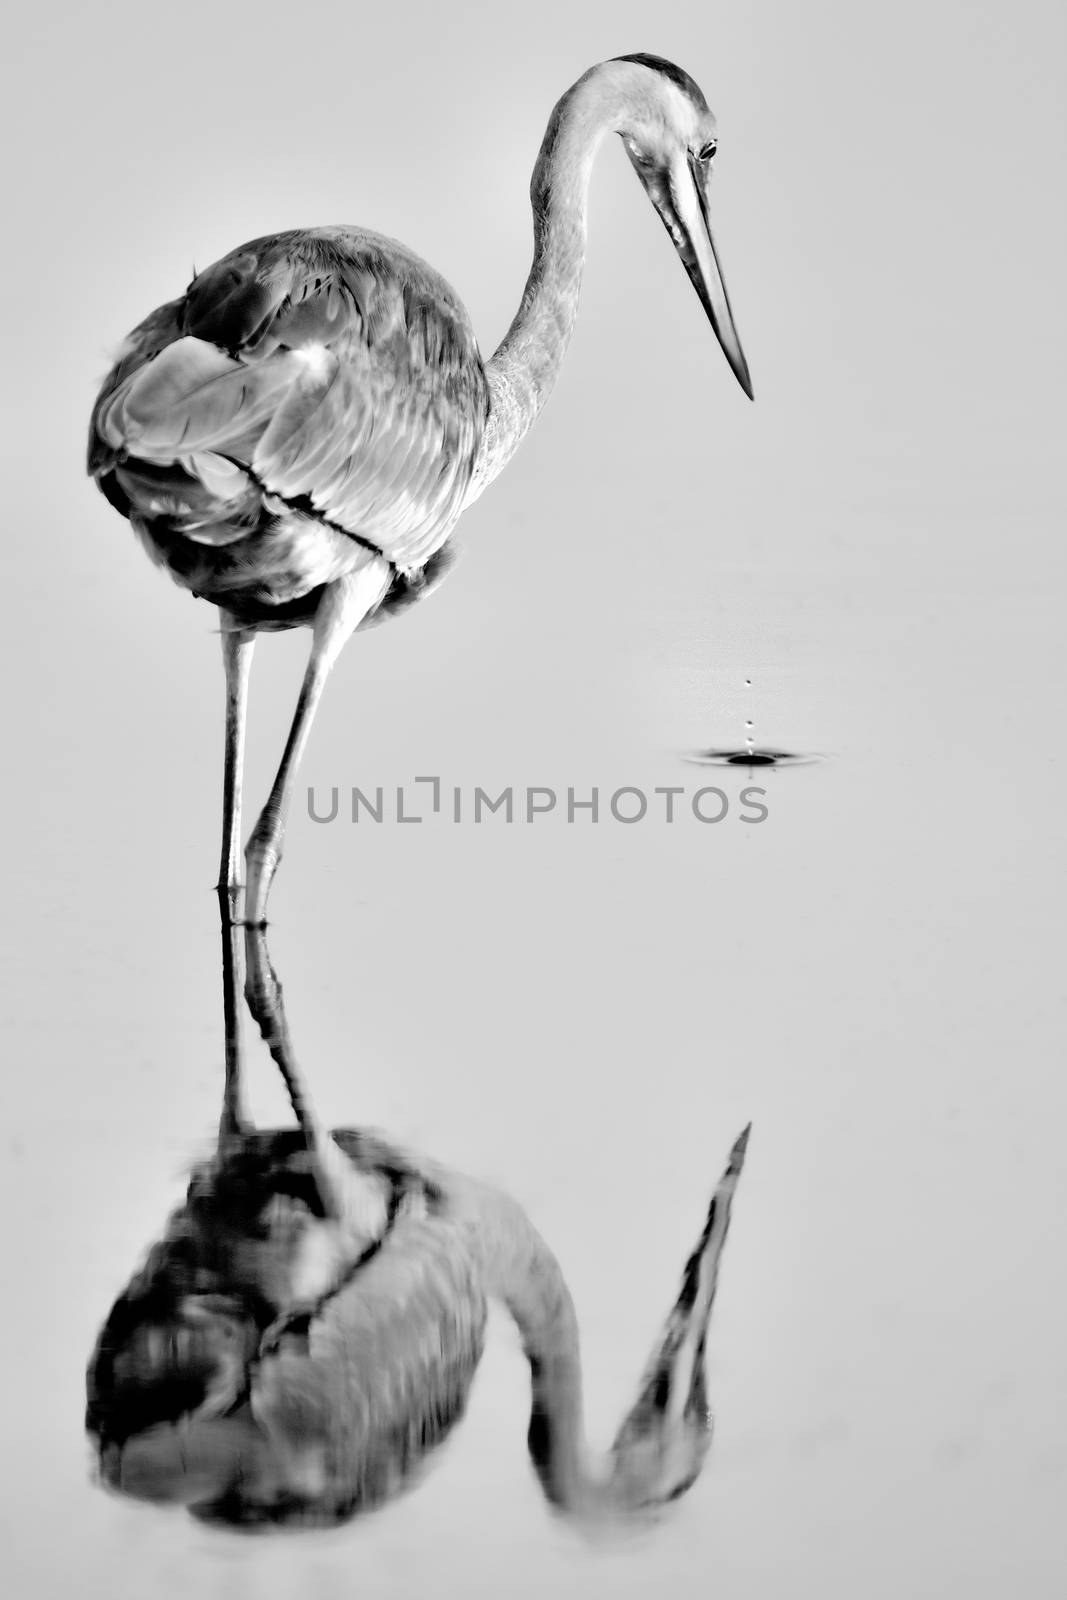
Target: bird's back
314 398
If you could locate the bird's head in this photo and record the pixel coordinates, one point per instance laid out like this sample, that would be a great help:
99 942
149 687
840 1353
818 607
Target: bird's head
671 140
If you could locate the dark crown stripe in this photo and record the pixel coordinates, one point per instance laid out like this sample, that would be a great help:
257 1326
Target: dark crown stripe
667 69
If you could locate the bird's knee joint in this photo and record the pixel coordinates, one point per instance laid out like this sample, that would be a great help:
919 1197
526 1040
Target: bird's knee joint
263 850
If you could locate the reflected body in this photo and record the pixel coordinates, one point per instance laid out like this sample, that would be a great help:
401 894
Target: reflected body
295 438
309 1325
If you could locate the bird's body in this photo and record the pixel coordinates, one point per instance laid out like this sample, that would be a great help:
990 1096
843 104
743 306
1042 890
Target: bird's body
215 1387
316 399
295 438
252 1373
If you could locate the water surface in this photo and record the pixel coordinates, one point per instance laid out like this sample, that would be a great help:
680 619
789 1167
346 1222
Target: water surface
588 1011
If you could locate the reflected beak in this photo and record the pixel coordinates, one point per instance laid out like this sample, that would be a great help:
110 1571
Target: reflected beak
680 195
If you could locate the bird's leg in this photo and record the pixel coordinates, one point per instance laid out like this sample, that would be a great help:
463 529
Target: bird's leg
232 1122
237 643
342 608
264 995
354 1200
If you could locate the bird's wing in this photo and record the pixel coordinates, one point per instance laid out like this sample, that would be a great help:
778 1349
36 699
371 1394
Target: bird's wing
383 1370
329 370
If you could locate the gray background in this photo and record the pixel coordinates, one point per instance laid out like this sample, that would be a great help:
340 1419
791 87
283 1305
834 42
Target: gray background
586 1013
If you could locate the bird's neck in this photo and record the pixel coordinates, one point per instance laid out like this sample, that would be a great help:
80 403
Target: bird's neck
522 1271
524 369
654 1457
661 1445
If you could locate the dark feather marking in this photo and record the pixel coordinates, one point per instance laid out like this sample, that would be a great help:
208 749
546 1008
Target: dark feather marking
691 1278
304 506
539 1436
681 1488
675 75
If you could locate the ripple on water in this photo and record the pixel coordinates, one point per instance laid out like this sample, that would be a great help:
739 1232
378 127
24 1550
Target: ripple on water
755 757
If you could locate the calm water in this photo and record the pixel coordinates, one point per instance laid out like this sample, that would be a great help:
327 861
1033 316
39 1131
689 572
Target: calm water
586 1012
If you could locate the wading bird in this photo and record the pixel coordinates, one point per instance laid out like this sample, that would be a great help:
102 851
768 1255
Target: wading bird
310 1323
295 438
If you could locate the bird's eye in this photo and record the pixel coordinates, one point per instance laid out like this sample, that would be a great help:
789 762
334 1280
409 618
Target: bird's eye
709 150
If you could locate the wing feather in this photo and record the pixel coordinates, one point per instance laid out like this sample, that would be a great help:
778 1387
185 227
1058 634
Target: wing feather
298 429
192 397
329 367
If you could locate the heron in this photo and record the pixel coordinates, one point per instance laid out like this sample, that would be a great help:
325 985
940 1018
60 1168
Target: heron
295 437
308 1327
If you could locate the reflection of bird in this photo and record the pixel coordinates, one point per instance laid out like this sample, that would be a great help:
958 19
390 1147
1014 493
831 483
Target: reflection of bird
310 1324
295 438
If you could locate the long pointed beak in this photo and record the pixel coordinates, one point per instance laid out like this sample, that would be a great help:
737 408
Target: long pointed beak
709 282
680 195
